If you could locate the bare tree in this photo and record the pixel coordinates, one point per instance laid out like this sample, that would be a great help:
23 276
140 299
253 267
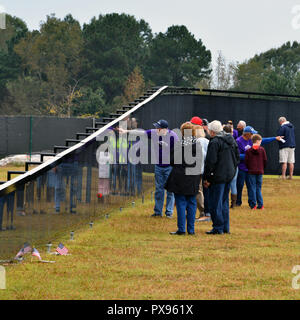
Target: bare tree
224 73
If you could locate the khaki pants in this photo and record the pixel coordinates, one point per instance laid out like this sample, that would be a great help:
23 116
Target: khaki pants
200 199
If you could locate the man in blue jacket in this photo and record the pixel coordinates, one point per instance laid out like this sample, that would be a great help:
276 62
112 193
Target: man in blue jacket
286 147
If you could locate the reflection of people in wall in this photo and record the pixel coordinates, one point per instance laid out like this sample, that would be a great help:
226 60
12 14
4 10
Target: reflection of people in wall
104 175
162 140
66 174
134 178
9 199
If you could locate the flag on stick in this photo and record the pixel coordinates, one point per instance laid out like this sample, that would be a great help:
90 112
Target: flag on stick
35 253
26 248
62 250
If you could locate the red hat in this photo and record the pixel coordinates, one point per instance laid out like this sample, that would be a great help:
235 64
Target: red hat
197 121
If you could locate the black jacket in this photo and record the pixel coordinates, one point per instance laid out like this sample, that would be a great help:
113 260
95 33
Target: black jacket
222 159
184 178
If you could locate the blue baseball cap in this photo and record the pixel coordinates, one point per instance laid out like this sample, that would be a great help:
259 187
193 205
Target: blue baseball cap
249 129
161 124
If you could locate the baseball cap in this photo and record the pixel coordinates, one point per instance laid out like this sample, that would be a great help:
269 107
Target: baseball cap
205 122
161 124
196 120
249 129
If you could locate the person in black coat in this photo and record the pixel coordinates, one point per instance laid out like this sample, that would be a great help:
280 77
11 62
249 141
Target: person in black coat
220 167
184 178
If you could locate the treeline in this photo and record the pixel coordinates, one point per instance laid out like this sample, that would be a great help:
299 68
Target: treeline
274 71
67 70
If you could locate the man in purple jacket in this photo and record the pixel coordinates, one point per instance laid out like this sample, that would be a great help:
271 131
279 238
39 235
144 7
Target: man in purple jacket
244 143
162 141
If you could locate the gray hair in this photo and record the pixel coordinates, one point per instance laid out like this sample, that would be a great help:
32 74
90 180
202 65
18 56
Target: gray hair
215 126
242 123
282 119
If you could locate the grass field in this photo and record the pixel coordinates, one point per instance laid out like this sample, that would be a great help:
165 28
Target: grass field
132 256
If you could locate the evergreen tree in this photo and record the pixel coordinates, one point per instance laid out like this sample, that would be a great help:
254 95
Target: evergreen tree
114 45
177 58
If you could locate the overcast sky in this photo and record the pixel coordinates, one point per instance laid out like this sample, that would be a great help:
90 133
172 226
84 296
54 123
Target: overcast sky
239 28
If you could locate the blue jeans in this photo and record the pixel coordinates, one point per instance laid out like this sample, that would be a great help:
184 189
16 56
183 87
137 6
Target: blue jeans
254 191
161 177
186 211
206 201
219 205
233 187
241 179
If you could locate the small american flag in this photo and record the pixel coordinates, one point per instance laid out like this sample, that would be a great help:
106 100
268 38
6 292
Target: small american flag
36 254
62 250
26 248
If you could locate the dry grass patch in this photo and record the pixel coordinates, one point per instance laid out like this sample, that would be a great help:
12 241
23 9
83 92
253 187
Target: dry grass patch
132 256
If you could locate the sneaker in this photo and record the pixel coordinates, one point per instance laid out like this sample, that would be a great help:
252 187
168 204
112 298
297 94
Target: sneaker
261 208
169 216
156 215
254 208
177 233
214 232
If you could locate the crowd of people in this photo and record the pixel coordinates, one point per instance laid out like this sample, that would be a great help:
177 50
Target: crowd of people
229 158
196 169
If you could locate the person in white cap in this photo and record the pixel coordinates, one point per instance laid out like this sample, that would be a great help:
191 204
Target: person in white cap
220 167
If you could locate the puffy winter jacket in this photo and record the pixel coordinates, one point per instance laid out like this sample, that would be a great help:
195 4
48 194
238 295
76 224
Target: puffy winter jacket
222 159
